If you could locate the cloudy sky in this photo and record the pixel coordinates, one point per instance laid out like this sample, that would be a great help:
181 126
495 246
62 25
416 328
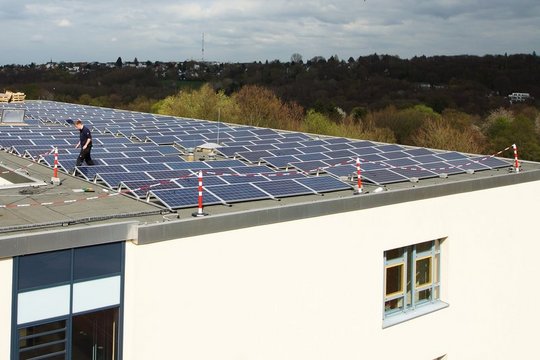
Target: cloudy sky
253 30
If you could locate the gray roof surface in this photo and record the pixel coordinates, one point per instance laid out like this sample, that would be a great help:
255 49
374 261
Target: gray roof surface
42 206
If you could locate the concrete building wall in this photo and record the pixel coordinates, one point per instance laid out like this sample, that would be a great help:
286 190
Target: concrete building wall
313 288
6 279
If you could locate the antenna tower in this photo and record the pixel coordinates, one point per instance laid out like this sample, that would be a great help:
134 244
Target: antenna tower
202 47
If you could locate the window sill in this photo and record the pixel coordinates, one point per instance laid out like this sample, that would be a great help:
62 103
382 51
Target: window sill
412 314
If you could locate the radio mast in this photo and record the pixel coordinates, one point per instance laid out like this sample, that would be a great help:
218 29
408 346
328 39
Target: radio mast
202 60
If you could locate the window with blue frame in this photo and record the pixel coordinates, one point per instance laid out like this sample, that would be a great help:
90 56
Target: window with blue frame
411 277
67 303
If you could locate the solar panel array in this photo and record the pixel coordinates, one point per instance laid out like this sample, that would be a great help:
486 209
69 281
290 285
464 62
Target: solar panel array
141 154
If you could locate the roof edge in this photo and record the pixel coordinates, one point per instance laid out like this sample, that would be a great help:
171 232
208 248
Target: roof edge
224 222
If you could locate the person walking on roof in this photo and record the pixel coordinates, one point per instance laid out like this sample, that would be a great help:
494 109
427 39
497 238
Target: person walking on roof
85 143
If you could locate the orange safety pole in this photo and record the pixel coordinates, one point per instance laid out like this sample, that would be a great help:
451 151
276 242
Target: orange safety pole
200 212
55 170
359 177
516 161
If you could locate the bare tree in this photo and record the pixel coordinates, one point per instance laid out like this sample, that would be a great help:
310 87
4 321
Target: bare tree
296 58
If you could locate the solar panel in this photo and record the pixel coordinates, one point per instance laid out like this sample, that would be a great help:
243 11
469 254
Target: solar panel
339 146
253 169
395 155
237 192
284 188
163 159
340 161
341 171
194 181
313 149
183 198
492 162
280 162
229 151
169 174
419 151
146 167
224 163
253 156
89 172
362 143
113 180
442 167
285 175
371 158
452 155
389 148
162 139
123 161
322 184
312 157
340 154
336 140
288 145
382 176
188 165
309 166
467 164
426 159
256 148
402 162
242 179
281 152
313 142
137 152
415 172
365 150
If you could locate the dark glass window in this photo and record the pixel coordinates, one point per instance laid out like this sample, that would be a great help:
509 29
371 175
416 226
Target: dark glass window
95 261
95 335
45 269
46 341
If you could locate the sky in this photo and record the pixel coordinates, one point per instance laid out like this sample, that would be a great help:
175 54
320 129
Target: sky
253 30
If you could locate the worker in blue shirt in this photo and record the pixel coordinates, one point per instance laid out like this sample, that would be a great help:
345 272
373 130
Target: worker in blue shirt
85 143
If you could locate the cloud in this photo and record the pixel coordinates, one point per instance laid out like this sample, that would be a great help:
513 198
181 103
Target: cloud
64 23
252 30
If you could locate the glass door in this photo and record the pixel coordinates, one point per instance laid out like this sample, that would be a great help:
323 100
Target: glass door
95 335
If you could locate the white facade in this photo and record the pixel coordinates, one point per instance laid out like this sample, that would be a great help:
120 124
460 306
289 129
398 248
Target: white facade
313 288
6 276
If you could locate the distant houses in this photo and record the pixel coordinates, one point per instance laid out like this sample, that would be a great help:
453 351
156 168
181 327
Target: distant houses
519 97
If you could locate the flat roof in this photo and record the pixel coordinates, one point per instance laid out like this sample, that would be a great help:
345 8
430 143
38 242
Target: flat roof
41 208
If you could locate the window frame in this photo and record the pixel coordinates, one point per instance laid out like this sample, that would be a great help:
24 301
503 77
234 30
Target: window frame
410 296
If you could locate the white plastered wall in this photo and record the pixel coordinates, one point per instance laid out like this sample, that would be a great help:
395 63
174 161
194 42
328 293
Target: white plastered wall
6 280
312 289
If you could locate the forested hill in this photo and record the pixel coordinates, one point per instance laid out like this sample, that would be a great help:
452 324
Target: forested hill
472 84
451 102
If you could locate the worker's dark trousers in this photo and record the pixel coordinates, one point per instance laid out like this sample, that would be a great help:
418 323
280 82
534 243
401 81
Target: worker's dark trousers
85 156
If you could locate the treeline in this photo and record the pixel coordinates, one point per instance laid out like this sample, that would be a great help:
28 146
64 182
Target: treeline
417 125
450 102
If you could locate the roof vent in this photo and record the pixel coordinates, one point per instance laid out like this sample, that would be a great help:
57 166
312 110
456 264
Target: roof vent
469 171
413 179
443 175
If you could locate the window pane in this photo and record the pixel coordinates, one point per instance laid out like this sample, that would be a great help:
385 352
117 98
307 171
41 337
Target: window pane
95 335
423 247
423 272
394 279
393 254
43 340
393 305
45 269
423 296
99 260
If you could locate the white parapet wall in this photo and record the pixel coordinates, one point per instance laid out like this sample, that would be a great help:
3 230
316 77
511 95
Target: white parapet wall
313 288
